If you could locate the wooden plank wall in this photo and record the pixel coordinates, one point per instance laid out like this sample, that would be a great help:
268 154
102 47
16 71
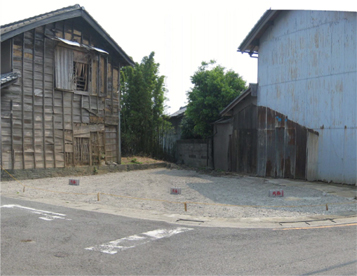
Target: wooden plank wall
45 127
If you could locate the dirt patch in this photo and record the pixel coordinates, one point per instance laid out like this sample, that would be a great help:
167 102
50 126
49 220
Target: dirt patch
138 160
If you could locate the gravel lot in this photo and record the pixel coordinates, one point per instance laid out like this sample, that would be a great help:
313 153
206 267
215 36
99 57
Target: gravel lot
206 195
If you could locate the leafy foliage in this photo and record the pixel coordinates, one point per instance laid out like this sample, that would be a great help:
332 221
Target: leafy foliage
142 106
213 90
187 126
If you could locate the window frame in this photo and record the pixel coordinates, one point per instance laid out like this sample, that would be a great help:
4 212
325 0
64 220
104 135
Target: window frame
66 59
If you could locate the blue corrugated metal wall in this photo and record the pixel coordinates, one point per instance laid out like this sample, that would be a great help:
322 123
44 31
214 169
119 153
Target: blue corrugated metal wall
307 71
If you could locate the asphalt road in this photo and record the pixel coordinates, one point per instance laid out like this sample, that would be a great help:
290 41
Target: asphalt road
42 239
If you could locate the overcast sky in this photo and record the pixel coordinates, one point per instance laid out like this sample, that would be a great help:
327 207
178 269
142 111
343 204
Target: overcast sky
181 33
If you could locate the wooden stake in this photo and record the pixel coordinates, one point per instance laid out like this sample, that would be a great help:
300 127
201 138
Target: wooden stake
326 207
23 190
185 206
98 197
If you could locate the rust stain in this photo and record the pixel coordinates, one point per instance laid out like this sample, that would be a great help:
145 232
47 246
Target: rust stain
268 168
339 86
316 40
287 172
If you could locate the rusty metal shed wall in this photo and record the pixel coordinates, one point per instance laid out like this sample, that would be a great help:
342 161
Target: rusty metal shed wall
307 71
221 145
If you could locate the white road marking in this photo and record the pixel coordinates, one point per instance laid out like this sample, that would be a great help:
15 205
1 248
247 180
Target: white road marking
45 215
113 247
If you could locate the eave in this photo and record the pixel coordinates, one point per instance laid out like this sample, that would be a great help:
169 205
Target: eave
11 30
252 90
8 79
250 44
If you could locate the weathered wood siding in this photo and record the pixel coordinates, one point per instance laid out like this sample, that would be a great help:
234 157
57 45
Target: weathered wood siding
45 122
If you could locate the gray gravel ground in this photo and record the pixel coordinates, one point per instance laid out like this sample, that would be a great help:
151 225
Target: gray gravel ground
227 196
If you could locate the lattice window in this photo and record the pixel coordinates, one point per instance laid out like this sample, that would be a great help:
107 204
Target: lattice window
81 151
80 75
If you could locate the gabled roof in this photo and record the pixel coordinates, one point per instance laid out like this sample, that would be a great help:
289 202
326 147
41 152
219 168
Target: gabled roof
251 43
180 112
252 90
10 30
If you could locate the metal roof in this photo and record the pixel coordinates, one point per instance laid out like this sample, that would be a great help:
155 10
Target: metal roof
8 78
251 43
180 112
12 29
252 90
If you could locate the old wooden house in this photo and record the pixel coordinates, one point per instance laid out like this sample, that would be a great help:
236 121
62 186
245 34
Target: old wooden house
59 92
303 122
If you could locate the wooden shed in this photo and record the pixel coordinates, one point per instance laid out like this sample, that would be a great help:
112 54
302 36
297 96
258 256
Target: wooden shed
59 92
260 141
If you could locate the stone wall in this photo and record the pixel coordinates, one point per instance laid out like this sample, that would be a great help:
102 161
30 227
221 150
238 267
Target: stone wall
195 153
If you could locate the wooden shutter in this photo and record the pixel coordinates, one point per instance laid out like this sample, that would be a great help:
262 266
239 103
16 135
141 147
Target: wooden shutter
64 68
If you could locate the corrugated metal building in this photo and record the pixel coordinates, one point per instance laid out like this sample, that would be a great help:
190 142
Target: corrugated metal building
307 73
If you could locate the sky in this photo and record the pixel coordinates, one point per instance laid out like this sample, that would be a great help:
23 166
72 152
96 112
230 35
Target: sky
181 33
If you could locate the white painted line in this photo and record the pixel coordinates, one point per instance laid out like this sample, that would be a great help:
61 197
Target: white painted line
45 215
113 247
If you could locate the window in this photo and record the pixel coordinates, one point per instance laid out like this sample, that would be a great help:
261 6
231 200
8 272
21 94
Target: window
80 73
72 70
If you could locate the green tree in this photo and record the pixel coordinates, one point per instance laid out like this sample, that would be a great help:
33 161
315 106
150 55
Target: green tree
142 106
213 90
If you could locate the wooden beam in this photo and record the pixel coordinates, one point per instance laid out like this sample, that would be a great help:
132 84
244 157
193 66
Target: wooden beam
81 109
43 102
119 124
22 102
106 77
90 150
112 90
98 76
53 127
12 135
98 84
72 124
63 131
33 100
105 144
53 109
